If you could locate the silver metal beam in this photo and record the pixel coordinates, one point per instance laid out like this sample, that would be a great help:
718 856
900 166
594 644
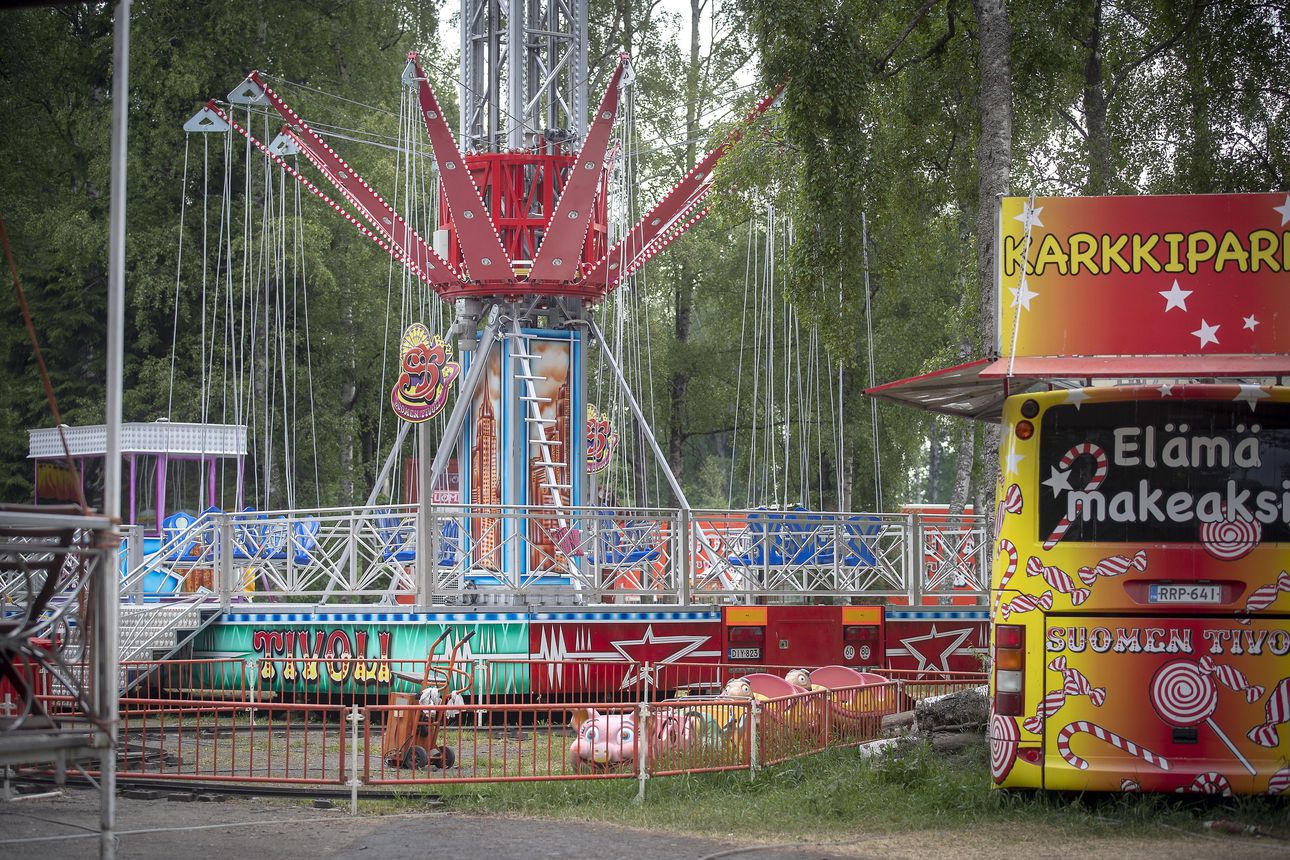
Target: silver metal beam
640 415
107 582
465 396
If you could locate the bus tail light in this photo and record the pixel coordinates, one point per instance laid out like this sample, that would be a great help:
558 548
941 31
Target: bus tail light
747 635
1009 669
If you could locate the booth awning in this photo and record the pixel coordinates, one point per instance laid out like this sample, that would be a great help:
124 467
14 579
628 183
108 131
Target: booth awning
978 388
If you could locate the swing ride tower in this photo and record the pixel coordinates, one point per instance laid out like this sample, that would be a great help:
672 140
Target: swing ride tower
523 249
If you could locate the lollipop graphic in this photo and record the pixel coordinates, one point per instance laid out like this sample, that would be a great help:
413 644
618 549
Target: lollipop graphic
1232 537
1184 695
1004 738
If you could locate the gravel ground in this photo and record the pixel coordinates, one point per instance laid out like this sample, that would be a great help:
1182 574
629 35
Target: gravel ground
292 830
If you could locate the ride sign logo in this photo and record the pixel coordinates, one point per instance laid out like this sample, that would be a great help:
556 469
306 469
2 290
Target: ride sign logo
1177 471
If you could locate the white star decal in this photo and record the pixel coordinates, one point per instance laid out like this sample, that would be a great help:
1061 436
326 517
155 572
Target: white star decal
1284 209
1021 295
1014 460
1175 297
938 650
685 645
1058 480
1251 322
1207 333
1166 390
1030 215
1076 396
1251 394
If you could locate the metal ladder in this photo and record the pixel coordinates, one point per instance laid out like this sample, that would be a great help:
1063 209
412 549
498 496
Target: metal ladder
537 424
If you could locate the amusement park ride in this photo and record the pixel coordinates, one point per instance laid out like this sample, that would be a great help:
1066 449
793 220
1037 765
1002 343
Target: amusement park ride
524 238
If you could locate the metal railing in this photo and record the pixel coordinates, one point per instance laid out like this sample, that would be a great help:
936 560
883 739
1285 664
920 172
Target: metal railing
501 554
405 742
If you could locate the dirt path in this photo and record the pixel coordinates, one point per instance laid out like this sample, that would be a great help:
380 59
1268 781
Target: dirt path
283 830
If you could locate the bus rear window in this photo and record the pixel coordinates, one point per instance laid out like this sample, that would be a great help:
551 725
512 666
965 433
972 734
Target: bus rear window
1156 471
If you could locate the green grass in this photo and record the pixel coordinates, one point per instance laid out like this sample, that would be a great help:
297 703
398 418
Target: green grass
839 793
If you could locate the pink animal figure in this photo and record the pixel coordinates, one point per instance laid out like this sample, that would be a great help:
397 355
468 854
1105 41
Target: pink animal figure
603 740
607 740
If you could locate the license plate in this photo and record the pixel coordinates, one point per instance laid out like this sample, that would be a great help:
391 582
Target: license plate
745 653
1160 593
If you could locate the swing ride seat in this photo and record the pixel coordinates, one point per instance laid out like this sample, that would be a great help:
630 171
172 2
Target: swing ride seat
858 534
265 539
398 537
791 537
627 543
177 532
796 537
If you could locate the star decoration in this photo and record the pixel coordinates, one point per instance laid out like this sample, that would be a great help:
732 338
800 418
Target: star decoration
1022 294
1166 390
1076 396
1284 209
1175 297
654 649
1251 394
1207 333
1030 215
933 650
1058 480
1013 461
1251 322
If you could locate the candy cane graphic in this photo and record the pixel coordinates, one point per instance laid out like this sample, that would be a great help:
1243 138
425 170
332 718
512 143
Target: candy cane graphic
1074 683
1280 781
1084 727
1266 595
1007 546
1011 503
1211 782
1116 565
1058 579
1099 475
1276 711
1027 603
1232 679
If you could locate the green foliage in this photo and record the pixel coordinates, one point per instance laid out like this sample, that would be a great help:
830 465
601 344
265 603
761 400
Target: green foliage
878 115
838 795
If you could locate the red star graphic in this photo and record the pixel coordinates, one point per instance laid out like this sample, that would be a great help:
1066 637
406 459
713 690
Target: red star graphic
933 650
655 649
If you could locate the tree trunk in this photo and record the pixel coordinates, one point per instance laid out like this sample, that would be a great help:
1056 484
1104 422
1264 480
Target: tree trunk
994 165
963 467
935 447
1100 170
683 300
1198 160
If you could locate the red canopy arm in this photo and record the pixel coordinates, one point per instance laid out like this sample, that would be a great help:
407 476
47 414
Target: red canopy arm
669 213
371 205
481 248
441 276
566 233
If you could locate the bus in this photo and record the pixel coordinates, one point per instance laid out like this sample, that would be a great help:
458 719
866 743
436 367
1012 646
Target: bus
1140 590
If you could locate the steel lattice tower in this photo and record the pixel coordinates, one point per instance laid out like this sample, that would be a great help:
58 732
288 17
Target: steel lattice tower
523 73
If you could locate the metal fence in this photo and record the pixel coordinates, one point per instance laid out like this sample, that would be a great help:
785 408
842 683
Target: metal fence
485 553
351 722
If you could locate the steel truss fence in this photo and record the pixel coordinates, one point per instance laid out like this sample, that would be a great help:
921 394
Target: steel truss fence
481 552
